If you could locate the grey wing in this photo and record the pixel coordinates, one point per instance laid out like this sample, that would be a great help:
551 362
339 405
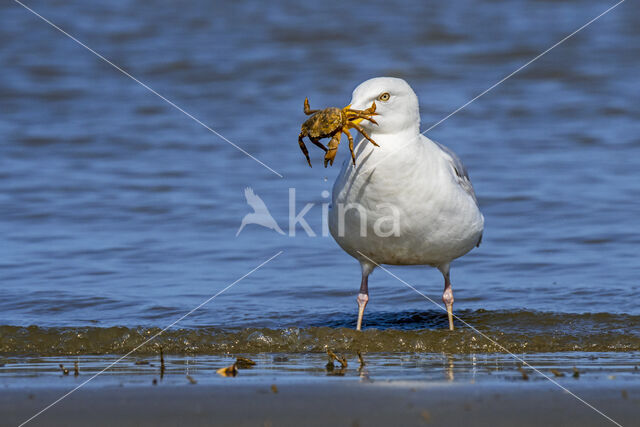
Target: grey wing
461 172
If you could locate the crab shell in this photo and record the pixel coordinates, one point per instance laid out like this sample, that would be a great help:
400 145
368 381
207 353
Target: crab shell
325 123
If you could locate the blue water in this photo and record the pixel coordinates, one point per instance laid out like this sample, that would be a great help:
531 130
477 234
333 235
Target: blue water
117 209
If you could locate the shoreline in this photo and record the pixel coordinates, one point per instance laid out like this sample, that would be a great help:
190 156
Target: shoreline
349 403
300 389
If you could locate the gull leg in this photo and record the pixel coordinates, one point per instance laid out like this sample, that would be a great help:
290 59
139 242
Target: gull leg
363 295
447 295
363 299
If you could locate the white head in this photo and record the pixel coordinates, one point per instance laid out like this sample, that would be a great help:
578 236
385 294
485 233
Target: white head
396 105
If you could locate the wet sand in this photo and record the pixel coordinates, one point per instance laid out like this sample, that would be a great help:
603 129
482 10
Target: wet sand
345 403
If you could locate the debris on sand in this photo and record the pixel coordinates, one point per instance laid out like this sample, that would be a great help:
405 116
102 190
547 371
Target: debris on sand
229 371
244 363
340 359
525 376
361 360
274 388
330 367
161 363
191 379
557 373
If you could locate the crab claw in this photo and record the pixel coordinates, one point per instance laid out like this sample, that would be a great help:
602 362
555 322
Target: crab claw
357 120
359 115
371 111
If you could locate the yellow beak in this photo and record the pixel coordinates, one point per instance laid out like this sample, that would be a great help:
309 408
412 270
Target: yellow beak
357 120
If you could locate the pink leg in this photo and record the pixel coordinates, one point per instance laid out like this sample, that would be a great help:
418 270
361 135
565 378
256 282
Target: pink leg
447 295
363 295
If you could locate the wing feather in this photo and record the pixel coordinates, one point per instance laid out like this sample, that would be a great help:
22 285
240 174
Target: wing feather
462 176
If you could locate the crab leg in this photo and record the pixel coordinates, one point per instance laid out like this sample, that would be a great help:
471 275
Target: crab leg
357 126
362 116
353 156
317 143
369 111
307 109
304 148
366 112
333 149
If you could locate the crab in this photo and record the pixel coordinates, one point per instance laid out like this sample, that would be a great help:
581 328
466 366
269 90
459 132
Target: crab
331 123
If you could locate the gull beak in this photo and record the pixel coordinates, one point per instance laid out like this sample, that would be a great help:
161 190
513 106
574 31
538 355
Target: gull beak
356 120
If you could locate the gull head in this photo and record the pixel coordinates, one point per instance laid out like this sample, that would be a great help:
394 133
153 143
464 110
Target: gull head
397 107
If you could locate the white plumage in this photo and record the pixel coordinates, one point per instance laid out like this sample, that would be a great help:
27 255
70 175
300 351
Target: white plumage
410 177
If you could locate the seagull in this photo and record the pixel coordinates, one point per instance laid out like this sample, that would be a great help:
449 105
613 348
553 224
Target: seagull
407 202
260 215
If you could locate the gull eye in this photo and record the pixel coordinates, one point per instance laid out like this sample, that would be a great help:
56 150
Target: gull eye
384 97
